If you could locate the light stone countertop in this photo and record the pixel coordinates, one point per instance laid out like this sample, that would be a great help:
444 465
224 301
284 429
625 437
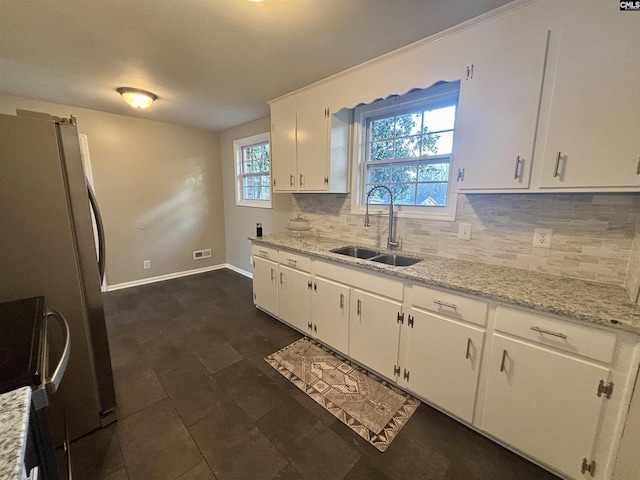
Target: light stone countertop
599 303
14 422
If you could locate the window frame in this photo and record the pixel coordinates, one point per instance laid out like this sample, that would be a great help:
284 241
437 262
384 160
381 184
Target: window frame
433 97
238 146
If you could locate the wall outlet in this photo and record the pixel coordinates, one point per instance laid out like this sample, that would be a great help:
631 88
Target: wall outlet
146 264
542 237
464 231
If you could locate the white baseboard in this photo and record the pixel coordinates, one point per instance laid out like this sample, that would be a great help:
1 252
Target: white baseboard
169 276
239 270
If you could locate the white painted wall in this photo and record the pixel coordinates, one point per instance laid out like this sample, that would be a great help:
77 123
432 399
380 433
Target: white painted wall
159 188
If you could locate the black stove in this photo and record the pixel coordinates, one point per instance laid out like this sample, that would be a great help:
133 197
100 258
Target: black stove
21 349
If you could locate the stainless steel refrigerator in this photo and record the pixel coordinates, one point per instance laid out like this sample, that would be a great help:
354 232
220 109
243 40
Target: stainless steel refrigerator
47 248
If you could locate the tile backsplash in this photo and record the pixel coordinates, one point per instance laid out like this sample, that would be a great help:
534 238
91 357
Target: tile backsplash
595 236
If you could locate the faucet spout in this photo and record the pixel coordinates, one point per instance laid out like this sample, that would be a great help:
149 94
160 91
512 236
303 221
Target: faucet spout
392 242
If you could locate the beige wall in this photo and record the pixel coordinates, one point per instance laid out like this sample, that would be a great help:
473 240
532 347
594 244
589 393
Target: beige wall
159 187
240 221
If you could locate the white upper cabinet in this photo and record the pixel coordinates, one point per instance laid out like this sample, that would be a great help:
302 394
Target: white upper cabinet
309 149
283 152
497 115
592 128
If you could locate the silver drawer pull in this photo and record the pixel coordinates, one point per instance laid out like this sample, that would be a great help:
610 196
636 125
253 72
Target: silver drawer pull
468 349
547 332
291 261
273 274
264 253
448 305
504 358
359 308
341 301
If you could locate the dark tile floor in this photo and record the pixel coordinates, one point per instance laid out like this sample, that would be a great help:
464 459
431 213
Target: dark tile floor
196 401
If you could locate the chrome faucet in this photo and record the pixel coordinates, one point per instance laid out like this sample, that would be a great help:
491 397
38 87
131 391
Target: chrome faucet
392 242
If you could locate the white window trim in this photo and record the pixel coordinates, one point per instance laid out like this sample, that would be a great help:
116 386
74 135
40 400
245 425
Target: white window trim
433 94
237 150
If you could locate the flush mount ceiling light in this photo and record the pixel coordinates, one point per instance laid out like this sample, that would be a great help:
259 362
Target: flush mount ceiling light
137 98
255 1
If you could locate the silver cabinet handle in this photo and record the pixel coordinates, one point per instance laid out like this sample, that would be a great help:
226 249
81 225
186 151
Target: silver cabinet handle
442 304
341 301
281 278
504 358
555 171
264 253
515 175
301 179
638 167
548 332
292 262
100 228
468 354
359 308
291 179
273 273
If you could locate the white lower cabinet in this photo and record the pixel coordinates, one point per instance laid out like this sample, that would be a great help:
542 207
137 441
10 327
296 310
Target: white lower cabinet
554 389
265 284
374 331
440 360
294 297
330 313
544 403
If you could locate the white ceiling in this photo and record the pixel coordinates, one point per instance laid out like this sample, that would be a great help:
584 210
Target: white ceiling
213 63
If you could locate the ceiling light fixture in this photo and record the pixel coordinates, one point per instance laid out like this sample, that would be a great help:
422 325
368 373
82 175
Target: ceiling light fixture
255 1
137 98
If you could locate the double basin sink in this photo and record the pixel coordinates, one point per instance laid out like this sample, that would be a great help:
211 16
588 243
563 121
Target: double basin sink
392 259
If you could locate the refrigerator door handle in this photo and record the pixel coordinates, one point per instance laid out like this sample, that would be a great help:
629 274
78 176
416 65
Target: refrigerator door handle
100 227
51 384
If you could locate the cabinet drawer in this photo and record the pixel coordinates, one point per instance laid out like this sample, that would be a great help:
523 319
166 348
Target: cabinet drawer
361 279
449 304
263 251
293 260
580 339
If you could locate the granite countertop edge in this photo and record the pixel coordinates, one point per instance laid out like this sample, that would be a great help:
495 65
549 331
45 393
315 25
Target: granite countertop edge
14 423
593 302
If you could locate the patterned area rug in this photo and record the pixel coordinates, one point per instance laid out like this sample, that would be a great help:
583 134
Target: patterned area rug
371 407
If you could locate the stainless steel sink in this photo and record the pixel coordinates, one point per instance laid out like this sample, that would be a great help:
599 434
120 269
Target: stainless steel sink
392 259
395 260
356 252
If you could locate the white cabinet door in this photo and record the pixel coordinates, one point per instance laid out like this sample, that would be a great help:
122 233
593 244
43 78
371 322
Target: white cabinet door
313 148
543 403
498 114
330 313
283 152
374 331
294 297
592 135
442 358
265 284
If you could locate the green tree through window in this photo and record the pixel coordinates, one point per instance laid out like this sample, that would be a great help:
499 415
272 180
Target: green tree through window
409 152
